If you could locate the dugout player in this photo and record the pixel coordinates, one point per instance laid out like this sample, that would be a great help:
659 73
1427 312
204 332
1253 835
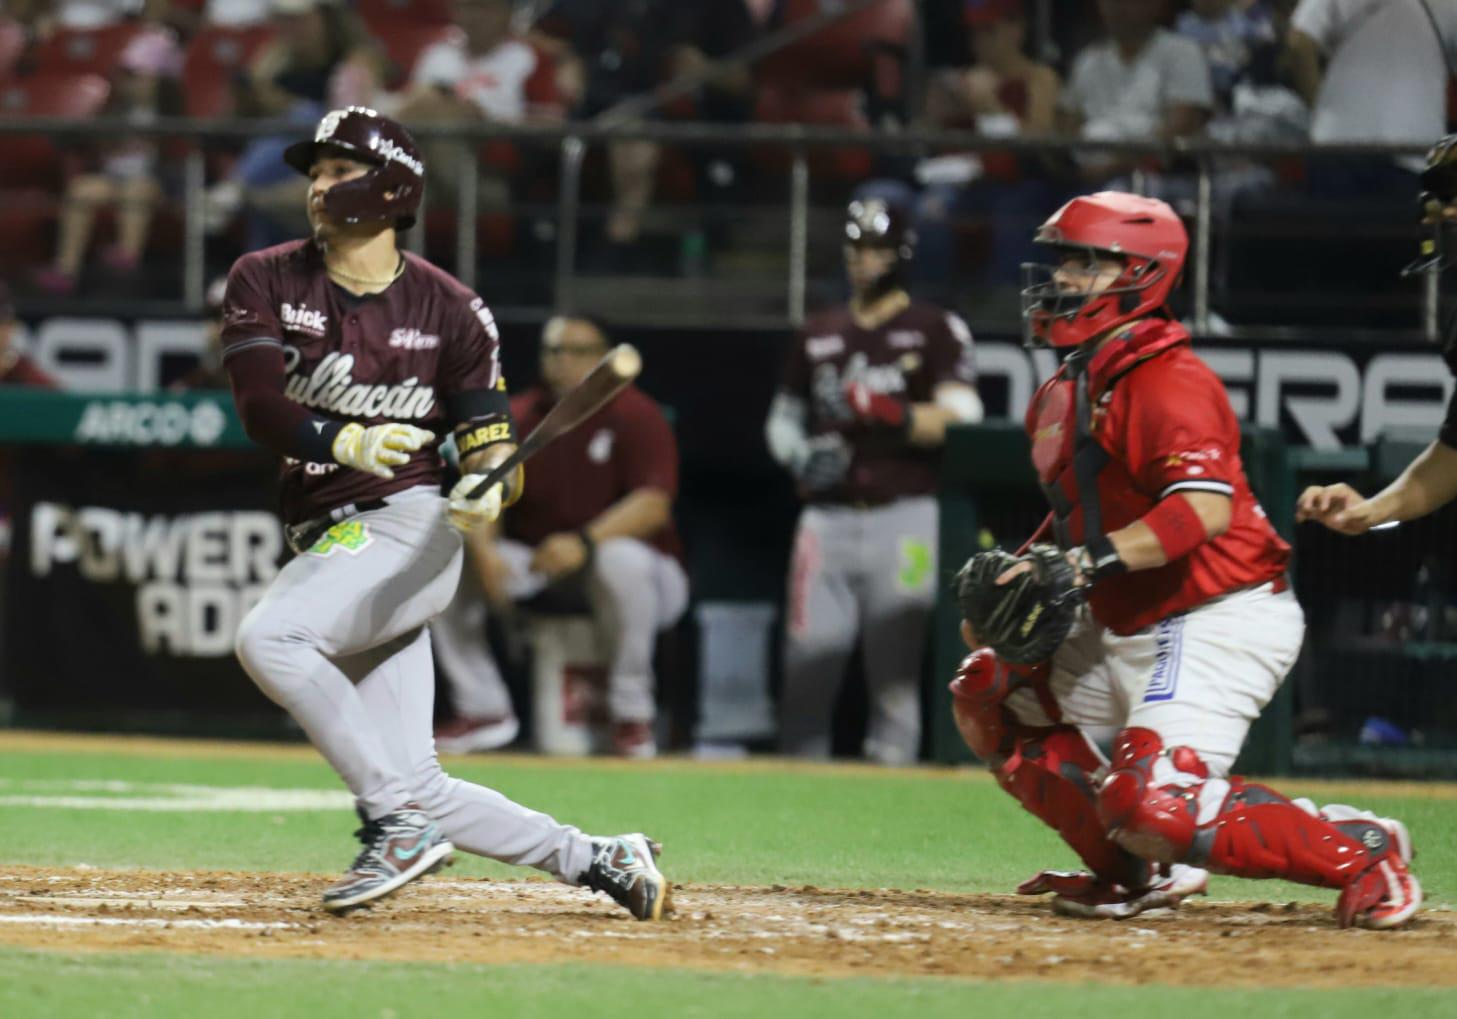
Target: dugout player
1189 625
1430 481
862 407
598 513
347 357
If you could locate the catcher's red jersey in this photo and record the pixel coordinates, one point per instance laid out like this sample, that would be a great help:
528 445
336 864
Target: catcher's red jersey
1161 423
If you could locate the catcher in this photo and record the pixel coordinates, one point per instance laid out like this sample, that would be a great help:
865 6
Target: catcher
1162 619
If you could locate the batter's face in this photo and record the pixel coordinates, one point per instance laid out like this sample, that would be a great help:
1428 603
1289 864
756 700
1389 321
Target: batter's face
327 171
570 349
865 265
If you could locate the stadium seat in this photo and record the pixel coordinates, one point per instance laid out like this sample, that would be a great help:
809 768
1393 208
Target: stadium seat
211 60
12 44
404 43
34 160
85 50
380 15
843 53
827 107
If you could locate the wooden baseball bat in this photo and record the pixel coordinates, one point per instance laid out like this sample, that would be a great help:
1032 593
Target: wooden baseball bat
618 367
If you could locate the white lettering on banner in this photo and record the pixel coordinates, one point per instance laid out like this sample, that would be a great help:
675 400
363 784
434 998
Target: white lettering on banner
1328 397
148 423
332 387
196 575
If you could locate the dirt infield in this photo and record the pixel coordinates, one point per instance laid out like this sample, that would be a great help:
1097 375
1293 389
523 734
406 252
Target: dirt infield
802 930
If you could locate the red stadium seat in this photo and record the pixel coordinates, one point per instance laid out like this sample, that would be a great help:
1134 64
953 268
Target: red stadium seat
392 14
842 54
32 160
85 50
12 44
213 57
829 107
405 42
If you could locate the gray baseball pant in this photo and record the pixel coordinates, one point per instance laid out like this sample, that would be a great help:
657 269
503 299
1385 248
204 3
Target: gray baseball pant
338 640
867 575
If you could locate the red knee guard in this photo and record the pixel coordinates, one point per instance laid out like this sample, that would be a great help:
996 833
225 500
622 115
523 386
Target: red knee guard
1154 823
1252 830
982 682
1052 774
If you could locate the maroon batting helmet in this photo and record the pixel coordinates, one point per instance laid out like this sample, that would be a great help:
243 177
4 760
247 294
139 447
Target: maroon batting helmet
390 191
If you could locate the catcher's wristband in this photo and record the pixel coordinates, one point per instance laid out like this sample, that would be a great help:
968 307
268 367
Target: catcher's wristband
1099 560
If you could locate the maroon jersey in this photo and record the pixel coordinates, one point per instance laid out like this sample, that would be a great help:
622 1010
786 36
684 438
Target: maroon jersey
399 355
625 446
908 357
1162 424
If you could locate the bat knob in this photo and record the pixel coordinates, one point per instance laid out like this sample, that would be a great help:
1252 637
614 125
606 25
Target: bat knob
626 361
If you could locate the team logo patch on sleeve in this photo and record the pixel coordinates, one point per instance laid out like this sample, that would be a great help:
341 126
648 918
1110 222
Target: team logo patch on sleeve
351 535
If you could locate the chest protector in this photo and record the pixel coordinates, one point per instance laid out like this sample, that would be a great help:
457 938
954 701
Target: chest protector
1089 490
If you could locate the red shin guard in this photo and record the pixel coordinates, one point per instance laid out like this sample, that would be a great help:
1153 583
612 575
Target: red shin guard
1254 831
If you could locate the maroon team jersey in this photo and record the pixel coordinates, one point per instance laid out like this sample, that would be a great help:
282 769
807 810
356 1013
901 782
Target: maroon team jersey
393 356
1163 421
908 356
625 446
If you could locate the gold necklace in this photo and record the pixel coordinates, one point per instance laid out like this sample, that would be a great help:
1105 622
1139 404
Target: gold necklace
360 281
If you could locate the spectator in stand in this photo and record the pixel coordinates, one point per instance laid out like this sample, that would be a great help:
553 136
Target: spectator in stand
1253 98
16 369
322 59
490 74
595 516
1005 93
1373 71
125 173
613 50
1141 83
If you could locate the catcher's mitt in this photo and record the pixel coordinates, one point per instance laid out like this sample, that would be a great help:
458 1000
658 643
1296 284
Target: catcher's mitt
1026 619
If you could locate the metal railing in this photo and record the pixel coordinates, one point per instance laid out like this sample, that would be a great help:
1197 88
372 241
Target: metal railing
573 138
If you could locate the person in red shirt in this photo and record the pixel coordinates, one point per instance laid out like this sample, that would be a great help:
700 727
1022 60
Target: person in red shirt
598 513
1189 625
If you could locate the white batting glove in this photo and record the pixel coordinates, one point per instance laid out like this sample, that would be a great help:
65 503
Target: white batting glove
467 514
378 448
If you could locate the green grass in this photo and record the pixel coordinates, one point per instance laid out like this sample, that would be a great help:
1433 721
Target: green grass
831 829
847 828
155 986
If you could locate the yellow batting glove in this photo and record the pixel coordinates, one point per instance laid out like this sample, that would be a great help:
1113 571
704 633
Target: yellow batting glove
377 449
467 514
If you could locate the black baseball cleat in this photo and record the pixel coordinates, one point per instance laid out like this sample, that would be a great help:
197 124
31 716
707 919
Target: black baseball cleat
398 848
626 868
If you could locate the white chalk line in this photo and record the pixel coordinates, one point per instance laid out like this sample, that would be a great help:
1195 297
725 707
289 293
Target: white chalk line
229 923
166 797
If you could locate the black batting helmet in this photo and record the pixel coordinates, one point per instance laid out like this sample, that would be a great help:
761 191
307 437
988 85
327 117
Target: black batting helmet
391 191
876 223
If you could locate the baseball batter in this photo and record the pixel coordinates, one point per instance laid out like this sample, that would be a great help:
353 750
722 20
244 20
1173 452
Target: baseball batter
348 358
1189 625
863 405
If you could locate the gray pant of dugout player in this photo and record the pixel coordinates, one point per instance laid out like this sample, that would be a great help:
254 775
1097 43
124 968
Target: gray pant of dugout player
635 591
339 641
867 575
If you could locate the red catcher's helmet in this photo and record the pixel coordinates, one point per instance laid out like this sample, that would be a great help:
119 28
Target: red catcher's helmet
391 191
1144 232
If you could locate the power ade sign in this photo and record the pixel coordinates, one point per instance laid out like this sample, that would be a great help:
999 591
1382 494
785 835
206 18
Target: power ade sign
129 573
193 576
